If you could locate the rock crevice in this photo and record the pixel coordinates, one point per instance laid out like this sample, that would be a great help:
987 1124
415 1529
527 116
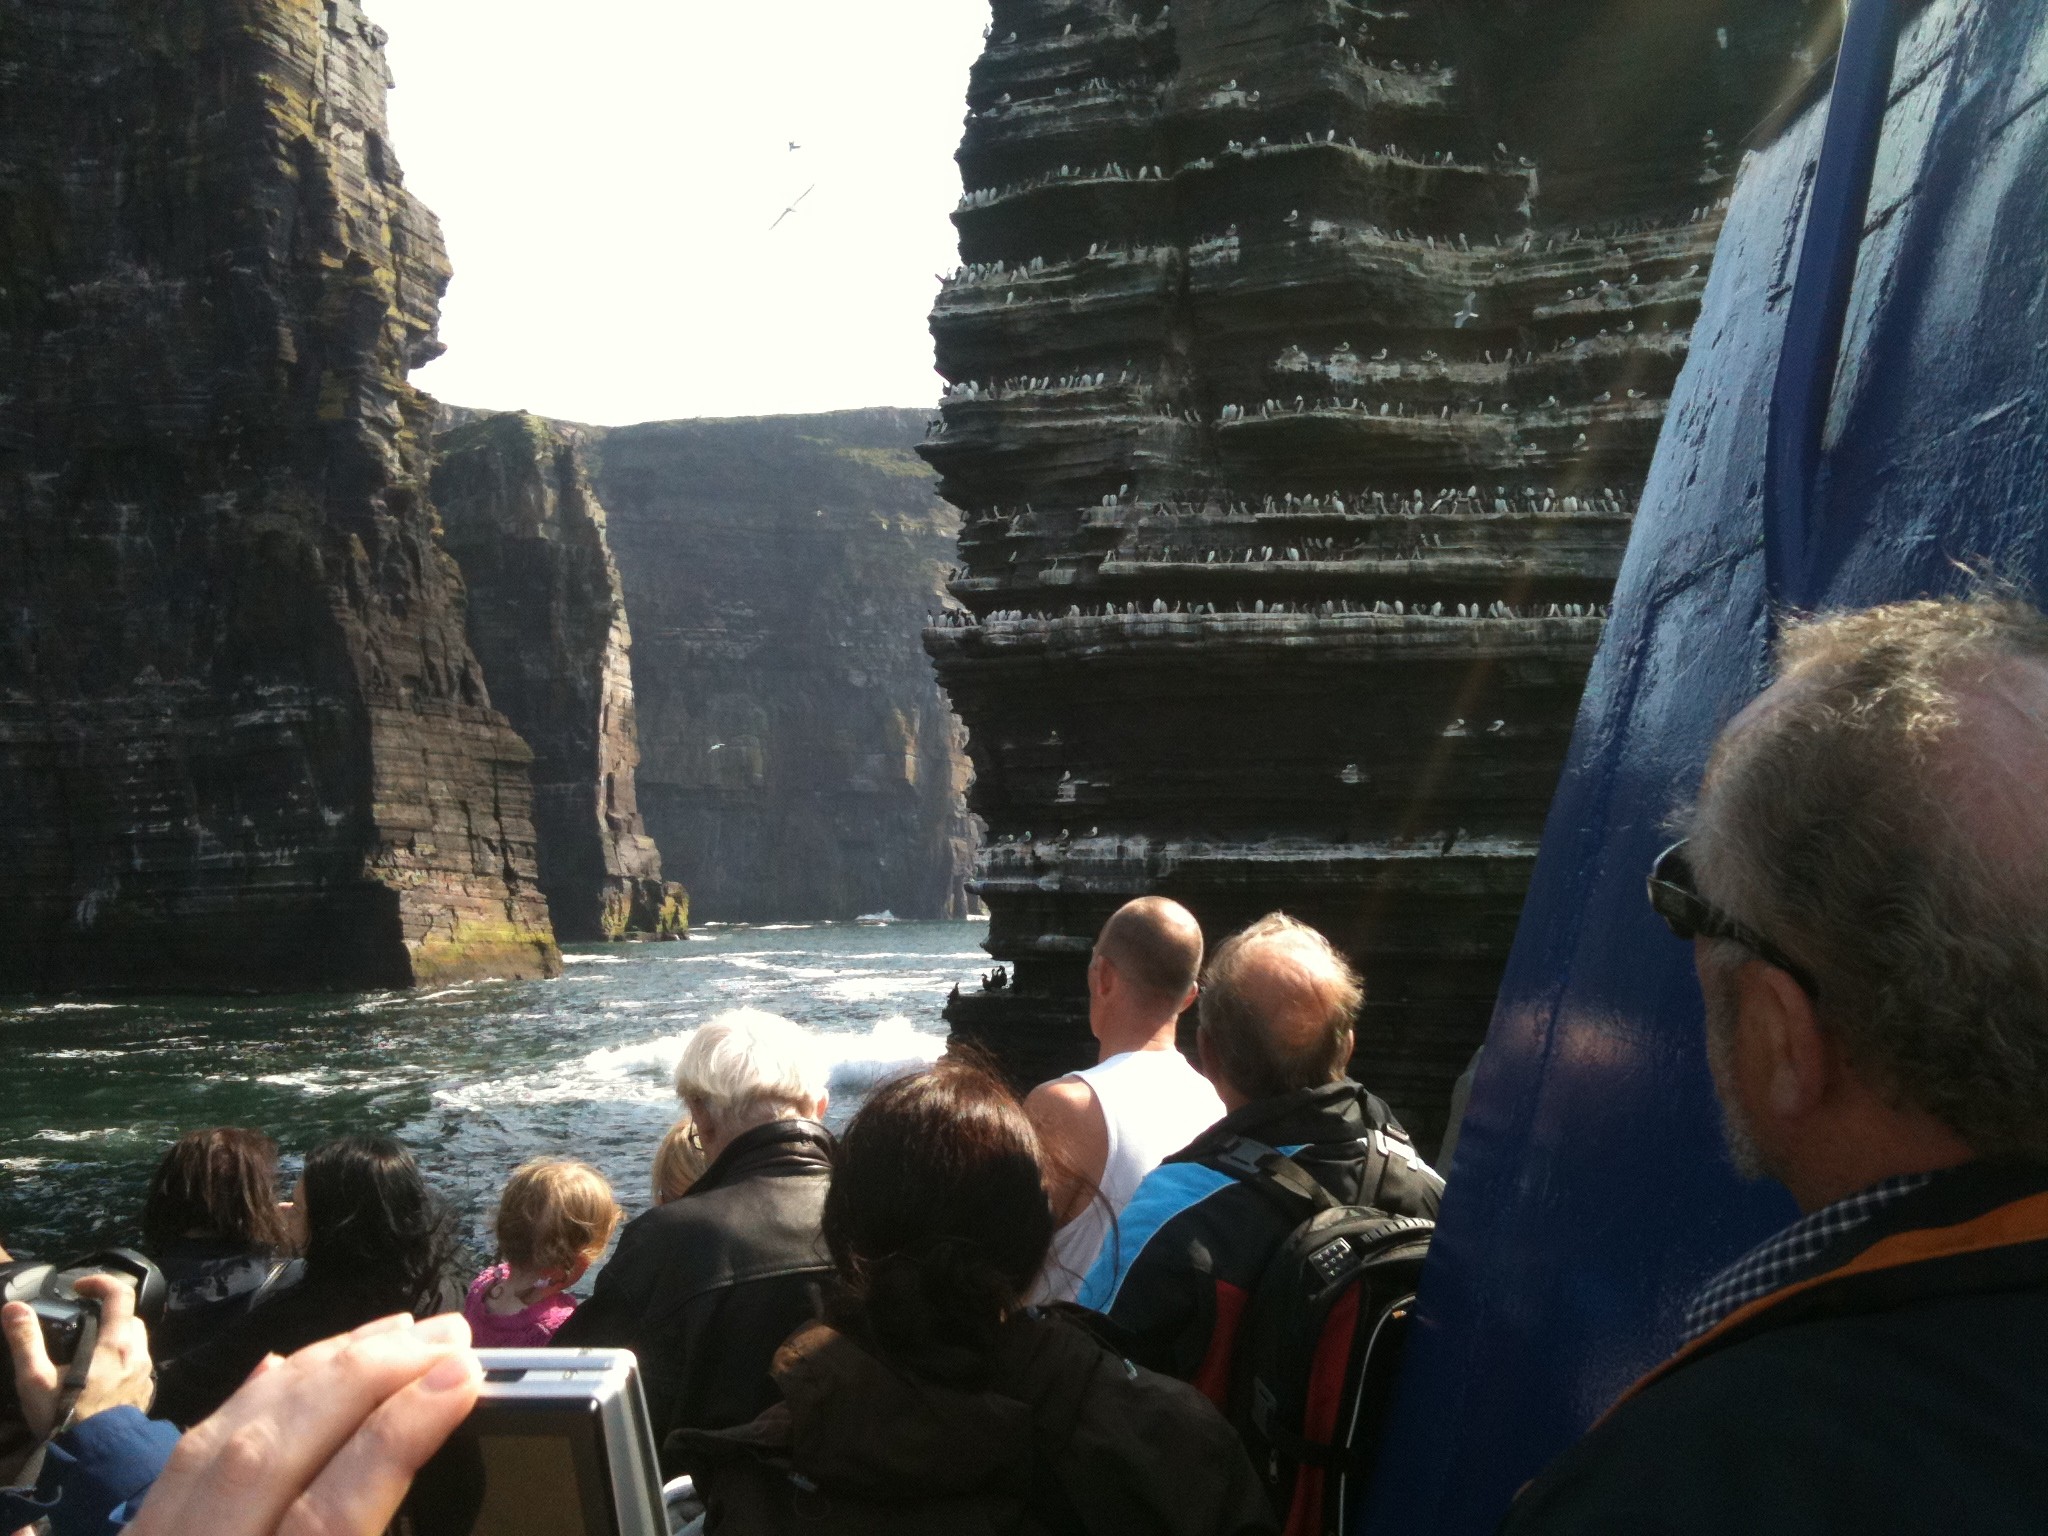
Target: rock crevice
547 619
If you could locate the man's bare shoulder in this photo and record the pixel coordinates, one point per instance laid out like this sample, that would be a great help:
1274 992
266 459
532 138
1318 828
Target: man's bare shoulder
1063 1103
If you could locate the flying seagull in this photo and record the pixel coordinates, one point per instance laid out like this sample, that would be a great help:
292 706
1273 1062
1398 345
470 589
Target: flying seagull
792 207
794 145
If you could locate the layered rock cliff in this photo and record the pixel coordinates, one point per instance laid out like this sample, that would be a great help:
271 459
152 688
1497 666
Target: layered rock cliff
1306 361
798 759
244 741
548 622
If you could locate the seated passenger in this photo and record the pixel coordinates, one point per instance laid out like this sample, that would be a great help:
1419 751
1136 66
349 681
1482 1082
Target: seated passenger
1105 1128
679 1162
377 1241
1866 891
211 1222
1276 1016
934 1402
553 1222
704 1289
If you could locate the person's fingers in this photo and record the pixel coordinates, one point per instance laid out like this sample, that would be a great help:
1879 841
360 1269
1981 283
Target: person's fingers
32 1367
116 1297
363 1485
243 1467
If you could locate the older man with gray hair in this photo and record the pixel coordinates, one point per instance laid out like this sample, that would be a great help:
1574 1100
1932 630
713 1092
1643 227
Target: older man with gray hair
704 1288
1865 885
1277 1011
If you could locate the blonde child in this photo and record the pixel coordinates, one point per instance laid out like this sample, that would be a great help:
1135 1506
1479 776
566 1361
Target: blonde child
553 1222
679 1161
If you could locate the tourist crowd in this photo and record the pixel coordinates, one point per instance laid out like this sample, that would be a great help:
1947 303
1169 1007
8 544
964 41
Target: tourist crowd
971 1312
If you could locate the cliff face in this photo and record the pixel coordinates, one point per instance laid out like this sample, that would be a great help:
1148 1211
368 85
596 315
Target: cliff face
798 760
548 622
1306 363
243 739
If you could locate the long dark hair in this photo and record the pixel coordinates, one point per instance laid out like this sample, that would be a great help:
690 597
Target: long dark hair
373 1226
937 1218
222 1183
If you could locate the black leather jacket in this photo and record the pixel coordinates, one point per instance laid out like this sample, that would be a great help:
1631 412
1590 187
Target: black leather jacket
705 1288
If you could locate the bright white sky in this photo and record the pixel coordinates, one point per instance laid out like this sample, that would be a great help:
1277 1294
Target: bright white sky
606 173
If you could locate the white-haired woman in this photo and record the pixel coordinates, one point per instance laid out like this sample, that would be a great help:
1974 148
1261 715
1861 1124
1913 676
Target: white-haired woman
704 1288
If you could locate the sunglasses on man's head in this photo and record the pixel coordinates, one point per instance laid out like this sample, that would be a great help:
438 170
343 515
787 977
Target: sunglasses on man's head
1675 897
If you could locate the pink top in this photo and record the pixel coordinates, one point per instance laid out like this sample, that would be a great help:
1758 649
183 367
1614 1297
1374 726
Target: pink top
512 1330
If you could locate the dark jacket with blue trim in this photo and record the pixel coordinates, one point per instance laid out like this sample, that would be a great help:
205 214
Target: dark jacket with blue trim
1895 1384
1187 1251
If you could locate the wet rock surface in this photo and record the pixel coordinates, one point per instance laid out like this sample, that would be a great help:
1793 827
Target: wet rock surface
244 741
548 622
798 760
1305 364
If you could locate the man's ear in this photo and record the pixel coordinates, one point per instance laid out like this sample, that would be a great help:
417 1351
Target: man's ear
824 1103
1796 1058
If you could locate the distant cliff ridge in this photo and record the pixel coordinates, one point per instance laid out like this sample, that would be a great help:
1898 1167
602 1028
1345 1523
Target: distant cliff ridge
548 622
244 740
1305 364
798 760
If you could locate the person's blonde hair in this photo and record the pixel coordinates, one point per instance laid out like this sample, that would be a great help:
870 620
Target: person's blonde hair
679 1162
553 1213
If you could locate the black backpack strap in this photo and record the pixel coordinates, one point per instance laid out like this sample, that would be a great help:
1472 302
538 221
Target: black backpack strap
1269 1168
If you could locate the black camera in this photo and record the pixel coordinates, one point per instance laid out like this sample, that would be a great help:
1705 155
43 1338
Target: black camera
51 1290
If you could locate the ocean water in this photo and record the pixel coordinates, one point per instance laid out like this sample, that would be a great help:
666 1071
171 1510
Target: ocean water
474 1077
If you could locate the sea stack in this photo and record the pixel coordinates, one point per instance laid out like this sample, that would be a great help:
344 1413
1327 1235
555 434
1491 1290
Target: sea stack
244 741
548 622
1305 364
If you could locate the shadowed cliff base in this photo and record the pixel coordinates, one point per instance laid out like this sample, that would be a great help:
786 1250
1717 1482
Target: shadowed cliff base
244 742
1305 364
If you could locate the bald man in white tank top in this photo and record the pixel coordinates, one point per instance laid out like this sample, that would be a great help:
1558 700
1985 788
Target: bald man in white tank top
1107 1127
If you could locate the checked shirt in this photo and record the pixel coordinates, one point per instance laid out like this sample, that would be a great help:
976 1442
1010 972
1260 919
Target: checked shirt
1779 1260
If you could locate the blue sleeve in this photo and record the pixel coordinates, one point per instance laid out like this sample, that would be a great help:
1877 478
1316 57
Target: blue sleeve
95 1475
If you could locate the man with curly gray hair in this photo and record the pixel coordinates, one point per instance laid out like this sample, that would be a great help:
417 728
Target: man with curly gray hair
1865 884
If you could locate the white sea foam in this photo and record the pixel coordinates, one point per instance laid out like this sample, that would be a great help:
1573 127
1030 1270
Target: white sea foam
318 1082
80 1053
644 1071
102 1134
868 989
66 1008
24 1164
595 959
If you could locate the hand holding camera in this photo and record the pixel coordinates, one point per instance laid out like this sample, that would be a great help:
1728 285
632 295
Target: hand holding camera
121 1369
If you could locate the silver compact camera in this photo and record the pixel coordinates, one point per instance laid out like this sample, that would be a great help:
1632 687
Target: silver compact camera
559 1444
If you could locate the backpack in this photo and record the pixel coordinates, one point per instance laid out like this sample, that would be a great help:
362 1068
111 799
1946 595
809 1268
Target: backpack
1318 1348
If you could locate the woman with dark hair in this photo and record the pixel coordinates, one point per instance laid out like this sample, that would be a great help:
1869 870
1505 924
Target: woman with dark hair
212 1223
376 1240
933 1400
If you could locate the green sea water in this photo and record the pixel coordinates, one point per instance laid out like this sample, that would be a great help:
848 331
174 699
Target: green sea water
475 1077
